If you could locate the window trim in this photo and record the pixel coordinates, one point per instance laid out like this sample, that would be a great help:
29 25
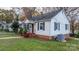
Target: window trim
43 24
56 26
66 26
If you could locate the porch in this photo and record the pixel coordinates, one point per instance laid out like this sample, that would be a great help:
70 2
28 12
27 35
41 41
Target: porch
30 30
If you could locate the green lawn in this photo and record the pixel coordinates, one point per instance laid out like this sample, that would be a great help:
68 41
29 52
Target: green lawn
32 44
6 34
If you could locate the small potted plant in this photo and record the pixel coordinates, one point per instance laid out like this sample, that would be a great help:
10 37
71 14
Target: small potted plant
25 34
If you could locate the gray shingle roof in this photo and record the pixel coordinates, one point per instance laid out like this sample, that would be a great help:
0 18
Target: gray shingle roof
46 16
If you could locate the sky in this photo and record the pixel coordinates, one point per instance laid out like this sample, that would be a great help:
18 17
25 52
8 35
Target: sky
6 8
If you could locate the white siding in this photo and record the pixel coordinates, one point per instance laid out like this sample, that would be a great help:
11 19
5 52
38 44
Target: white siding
61 18
41 32
49 26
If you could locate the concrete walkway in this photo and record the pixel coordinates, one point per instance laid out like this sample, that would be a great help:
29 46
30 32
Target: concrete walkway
10 37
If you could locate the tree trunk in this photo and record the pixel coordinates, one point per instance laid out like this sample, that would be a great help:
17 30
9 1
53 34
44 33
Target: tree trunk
73 28
73 31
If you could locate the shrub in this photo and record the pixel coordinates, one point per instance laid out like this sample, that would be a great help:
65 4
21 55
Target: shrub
77 35
7 30
1 30
15 26
22 30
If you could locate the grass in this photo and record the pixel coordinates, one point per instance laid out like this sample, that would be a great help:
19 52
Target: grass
33 44
7 34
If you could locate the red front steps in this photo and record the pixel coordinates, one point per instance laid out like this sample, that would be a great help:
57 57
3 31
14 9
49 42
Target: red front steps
29 35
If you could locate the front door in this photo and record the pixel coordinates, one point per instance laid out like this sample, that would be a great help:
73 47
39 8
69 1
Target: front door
31 28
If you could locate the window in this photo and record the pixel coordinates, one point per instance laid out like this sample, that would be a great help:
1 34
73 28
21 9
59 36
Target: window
56 26
27 26
41 26
66 26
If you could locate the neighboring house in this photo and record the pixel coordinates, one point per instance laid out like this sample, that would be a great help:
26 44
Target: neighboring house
50 24
9 26
4 26
0 25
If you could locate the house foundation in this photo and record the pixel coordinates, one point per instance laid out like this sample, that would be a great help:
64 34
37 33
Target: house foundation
51 37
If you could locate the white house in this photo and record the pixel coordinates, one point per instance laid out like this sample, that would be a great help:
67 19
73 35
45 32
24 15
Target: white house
50 24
